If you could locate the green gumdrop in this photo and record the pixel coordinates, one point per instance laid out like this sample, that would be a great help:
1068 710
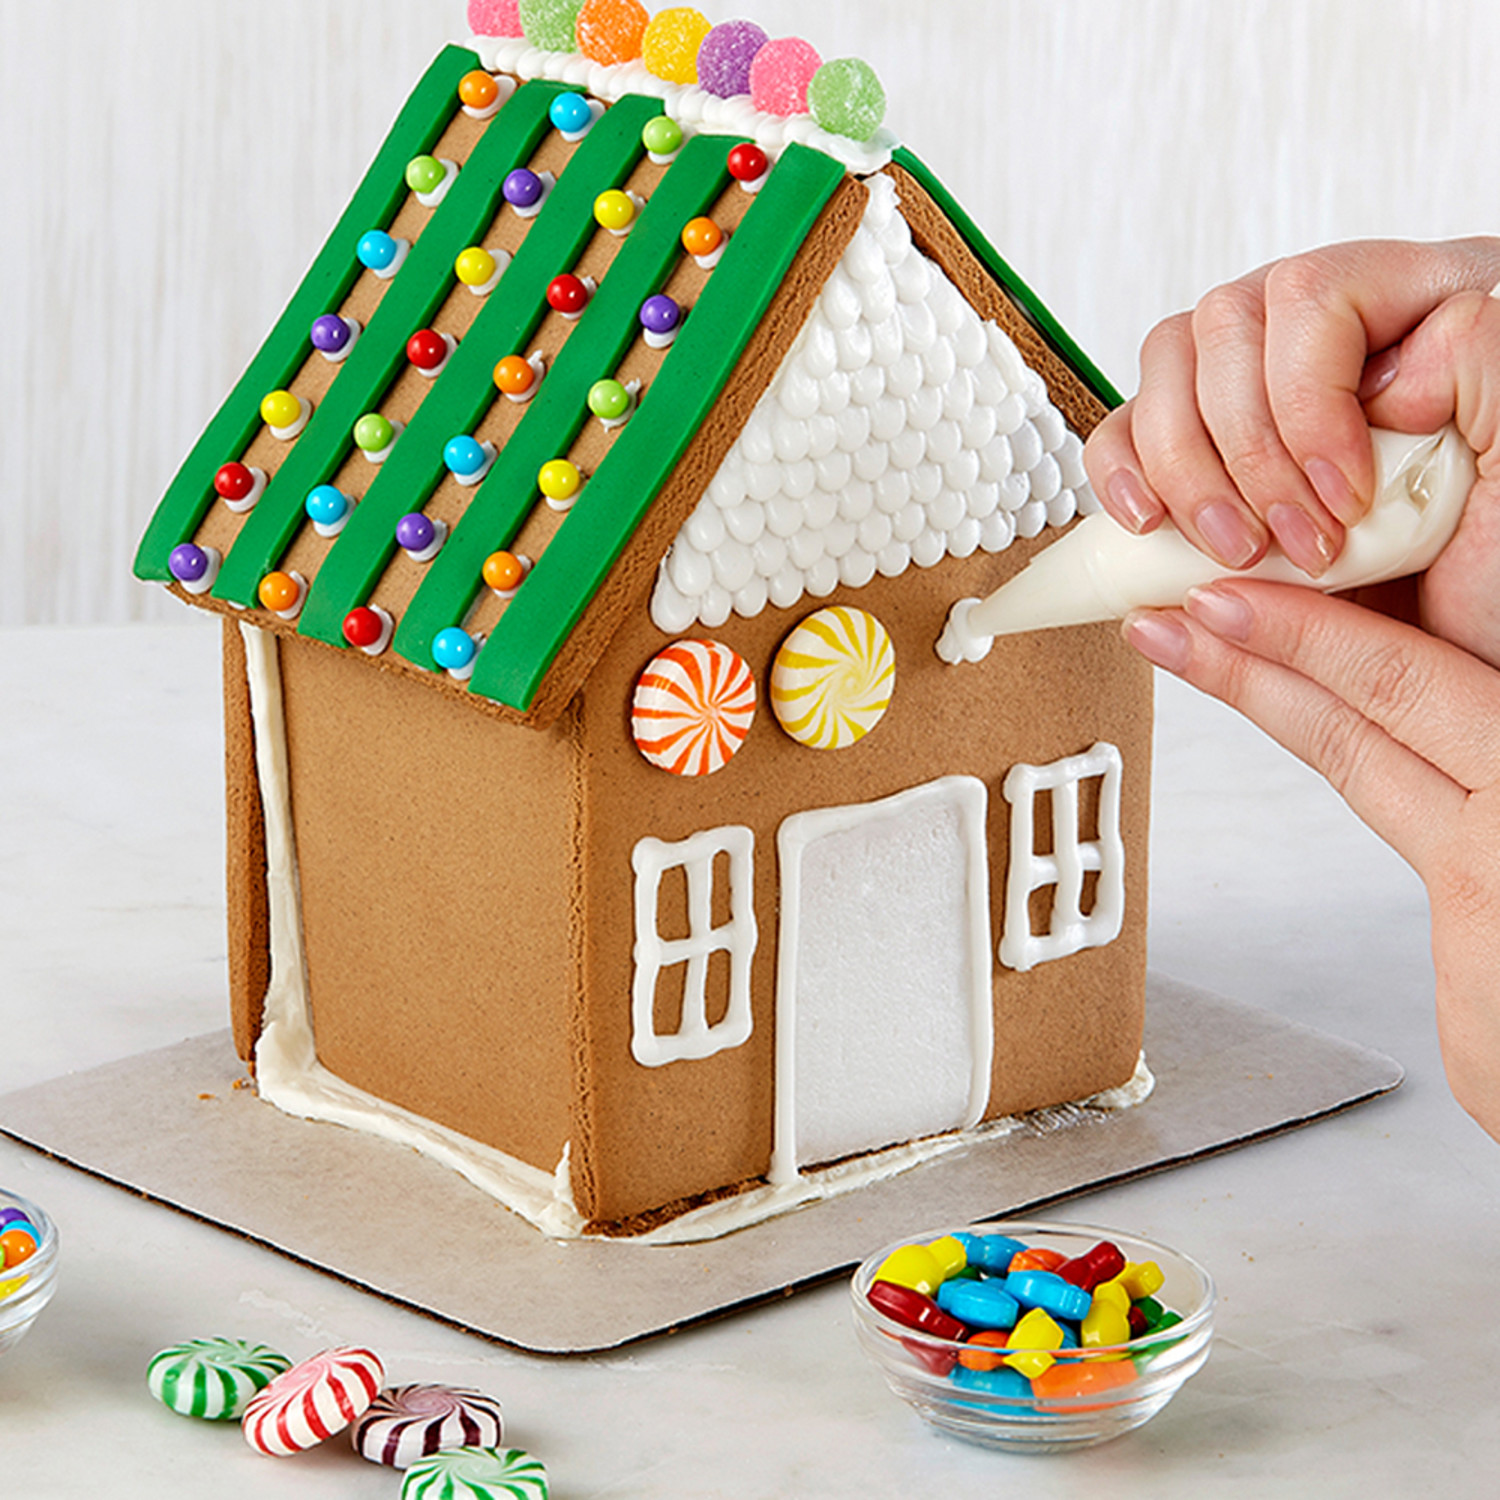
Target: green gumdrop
846 98
550 24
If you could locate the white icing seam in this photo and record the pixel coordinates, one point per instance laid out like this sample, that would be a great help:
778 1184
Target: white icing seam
692 107
900 429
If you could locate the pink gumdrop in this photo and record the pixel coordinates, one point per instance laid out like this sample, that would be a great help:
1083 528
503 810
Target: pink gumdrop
780 74
495 17
726 54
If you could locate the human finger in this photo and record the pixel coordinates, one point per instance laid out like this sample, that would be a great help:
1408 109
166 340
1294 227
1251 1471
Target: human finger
1116 475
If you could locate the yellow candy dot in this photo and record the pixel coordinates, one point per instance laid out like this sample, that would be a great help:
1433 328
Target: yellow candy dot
474 266
950 1255
278 591
913 1266
614 209
670 43
1141 1279
280 409
559 479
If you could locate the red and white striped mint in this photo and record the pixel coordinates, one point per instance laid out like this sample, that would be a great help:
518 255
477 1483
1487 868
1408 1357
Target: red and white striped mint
312 1401
409 1422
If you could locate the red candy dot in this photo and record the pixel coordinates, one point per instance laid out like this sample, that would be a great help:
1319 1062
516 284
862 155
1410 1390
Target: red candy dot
234 481
747 162
362 627
567 294
426 349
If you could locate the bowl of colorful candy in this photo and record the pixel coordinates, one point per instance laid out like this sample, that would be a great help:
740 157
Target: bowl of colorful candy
1034 1337
28 1266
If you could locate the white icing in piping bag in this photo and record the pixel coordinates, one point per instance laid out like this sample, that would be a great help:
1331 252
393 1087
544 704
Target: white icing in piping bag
1101 571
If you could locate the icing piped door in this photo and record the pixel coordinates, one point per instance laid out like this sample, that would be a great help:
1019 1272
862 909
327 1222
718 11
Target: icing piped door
884 1020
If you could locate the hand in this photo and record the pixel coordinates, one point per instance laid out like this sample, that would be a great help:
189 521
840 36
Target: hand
1250 421
1407 730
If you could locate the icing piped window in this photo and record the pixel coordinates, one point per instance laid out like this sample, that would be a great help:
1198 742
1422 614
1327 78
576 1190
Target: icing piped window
717 869
1079 916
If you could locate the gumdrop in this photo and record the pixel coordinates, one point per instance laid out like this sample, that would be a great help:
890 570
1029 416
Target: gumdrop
726 54
670 46
610 31
780 74
549 24
846 98
495 17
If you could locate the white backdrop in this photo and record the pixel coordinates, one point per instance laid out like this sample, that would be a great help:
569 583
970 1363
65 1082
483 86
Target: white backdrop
172 165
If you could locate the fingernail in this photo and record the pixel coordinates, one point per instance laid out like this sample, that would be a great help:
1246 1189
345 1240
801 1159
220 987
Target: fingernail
1161 639
1129 495
1302 539
1334 490
1220 611
1230 535
1380 371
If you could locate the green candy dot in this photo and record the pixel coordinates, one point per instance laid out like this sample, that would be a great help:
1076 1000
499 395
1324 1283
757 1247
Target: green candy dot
662 136
845 98
608 399
373 432
424 173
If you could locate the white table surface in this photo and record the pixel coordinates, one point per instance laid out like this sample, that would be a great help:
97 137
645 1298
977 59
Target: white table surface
1356 1259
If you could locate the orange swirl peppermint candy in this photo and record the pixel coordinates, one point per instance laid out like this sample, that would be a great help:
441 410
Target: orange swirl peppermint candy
832 679
693 707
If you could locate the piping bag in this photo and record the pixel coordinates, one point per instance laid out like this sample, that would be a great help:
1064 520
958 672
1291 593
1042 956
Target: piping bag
1101 571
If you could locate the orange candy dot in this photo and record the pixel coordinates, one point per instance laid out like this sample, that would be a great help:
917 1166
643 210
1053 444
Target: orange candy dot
477 89
514 375
278 591
702 237
1070 1378
970 1356
503 571
610 31
1038 1258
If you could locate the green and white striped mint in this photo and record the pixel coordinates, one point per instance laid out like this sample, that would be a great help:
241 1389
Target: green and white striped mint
212 1378
476 1474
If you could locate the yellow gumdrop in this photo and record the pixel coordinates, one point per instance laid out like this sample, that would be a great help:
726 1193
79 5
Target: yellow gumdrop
1031 1341
1114 1294
913 1266
1141 1279
1104 1324
670 43
950 1254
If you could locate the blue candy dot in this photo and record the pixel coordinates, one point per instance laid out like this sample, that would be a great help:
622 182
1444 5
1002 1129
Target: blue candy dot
187 563
376 250
326 505
570 112
463 455
453 648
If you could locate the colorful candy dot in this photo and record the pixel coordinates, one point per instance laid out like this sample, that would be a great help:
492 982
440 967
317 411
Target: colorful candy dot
570 112
279 592
280 409
567 294
503 571
331 334
522 188
424 174
846 98
494 18
426 349
662 136
475 266
363 627
614 209
188 563
748 163
701 236
478 90
453 648
780 74
377 250
18 1242
373 432
726 54
660 314
608 400
610 31
415 532
464 455
549 24
234 481
326 505
514 375
669 46
559 479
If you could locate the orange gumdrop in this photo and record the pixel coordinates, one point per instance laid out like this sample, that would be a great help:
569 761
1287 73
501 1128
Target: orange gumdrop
988 1338
278 591
503 571
702 237
1071 1378
610 31
1037 1258
477 89
514 375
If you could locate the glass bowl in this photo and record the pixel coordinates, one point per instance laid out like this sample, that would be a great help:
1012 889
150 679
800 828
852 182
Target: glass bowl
1115 1388
26 1288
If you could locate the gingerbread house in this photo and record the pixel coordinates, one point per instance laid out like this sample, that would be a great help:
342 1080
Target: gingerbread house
601 817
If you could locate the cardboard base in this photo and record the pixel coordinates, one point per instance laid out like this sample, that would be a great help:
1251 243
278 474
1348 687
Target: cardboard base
171 1126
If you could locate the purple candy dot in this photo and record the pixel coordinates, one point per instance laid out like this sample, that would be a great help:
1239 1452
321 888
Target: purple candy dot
187 563
12 1216
726 54
415 532
660 314
330 333
522 188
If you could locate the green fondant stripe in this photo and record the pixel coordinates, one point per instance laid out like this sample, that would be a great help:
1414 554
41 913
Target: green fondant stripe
326 284
465 391
611 505
414 295
1048 326
560 408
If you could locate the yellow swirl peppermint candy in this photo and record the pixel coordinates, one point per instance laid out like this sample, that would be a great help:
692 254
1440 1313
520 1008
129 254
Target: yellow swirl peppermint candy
832 679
